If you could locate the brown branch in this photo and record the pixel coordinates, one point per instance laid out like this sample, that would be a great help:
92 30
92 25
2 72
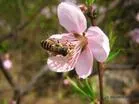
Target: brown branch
34 80
20 92
100 76
10 80
16 89
8 77
91 13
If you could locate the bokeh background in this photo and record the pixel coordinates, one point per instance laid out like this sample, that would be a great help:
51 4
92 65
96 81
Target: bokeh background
24 23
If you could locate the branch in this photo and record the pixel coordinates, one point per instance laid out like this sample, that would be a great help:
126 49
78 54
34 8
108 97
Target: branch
100 77
8 77
10 80
34 80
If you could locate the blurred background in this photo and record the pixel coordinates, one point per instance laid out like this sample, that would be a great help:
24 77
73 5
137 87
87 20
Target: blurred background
24 23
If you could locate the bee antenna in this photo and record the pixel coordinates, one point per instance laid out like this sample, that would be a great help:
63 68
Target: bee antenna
42 41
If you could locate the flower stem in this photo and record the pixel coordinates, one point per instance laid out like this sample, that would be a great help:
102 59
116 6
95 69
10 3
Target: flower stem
91 13
100 76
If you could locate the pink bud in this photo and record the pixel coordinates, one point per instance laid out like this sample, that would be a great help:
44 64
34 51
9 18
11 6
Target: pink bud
7 64
66 82
12 102
135 35
83 8
137 17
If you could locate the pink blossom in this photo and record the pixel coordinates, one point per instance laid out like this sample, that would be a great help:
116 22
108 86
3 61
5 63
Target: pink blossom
135 35
7 64
66 82
83 45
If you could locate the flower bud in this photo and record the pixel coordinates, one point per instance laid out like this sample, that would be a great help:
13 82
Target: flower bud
7 64
83 8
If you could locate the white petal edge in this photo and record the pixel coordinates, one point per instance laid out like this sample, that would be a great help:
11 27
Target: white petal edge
71 17
58 64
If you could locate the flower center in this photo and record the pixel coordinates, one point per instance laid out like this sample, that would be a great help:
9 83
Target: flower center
82 39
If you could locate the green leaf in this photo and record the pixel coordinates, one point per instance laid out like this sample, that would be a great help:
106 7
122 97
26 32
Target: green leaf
3 47
90 2
112 38
74 84
113 55
84 88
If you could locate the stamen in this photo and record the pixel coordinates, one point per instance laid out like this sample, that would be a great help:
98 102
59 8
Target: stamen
82 39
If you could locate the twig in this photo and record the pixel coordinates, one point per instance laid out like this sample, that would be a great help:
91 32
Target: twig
16 90
10 80
91 13
8 77
100 76
20 92
34 80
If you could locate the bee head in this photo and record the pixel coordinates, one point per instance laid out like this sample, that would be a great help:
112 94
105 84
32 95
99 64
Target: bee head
42 43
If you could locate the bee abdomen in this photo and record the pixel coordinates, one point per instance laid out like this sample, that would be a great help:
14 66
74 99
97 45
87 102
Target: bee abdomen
46 45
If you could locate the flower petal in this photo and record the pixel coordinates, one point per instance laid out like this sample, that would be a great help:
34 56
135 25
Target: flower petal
84 64
71 17
56 36
64 37
98 42
58 64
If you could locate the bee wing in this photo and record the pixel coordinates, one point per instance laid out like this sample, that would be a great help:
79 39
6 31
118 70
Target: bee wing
60 63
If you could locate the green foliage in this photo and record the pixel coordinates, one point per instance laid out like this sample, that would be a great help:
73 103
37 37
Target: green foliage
3 47
112 38
114 51
113 55
84 88
90 2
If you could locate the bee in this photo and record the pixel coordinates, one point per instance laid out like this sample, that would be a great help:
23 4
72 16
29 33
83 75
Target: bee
54 47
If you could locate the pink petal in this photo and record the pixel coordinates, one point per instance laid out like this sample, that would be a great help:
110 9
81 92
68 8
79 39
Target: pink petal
58 64
56 36
71 17
84 64
69 38
64 37
98 42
